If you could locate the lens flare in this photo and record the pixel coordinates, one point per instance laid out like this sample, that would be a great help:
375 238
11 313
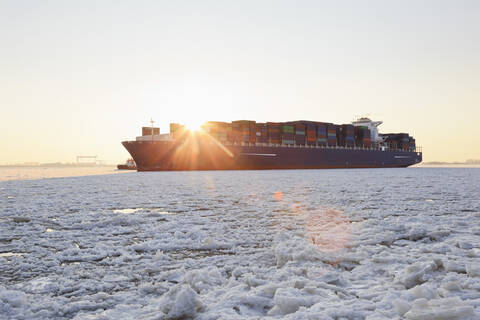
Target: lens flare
194 126
329 230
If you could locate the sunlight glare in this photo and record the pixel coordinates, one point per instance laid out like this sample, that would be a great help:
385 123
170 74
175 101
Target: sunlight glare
193 126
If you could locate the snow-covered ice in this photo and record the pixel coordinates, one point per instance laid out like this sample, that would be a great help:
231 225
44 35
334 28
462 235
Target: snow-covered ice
299 244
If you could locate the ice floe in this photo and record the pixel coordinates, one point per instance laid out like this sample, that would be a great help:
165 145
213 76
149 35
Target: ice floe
300 244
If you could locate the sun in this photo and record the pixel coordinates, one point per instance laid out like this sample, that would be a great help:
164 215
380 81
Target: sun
194 125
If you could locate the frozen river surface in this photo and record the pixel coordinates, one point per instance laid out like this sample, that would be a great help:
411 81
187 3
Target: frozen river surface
313 244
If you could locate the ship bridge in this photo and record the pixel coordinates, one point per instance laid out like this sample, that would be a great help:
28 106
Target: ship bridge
372 125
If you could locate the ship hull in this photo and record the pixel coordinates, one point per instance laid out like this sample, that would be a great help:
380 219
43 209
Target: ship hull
208 155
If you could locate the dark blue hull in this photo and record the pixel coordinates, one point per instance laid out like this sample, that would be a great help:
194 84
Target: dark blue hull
317 158
162 156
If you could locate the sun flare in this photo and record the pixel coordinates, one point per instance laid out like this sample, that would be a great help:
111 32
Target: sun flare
194 126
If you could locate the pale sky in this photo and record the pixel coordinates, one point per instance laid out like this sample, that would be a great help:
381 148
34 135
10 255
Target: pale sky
78 77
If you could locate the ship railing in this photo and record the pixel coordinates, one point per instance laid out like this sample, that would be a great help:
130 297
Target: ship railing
372 148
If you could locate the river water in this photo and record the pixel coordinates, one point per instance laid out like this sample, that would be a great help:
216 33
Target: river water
292 244
8 173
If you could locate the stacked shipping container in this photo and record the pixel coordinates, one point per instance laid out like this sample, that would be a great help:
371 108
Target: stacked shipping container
321 134
411 144
300 133
345 134
148 131
311 134
287 131
273 131
331 135
297 132
362 137
218 130
261 133
390 141
252 132
397 140
243 131
404 141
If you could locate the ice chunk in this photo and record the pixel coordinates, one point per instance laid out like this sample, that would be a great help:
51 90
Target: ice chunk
401 306
294 248
439 309
473 253
239 271
253 281
473 270
423 291
180 302
416 274
289 300
455 266
451 286
282 255
268 290
465 245
174 276
42 285
12 297
438 234
203 279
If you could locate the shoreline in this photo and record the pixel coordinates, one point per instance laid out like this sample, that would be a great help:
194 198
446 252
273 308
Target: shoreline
14 173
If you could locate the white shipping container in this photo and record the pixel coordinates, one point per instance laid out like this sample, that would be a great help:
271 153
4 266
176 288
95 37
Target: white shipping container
158 137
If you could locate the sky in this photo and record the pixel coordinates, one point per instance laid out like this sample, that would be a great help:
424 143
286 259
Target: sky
79 77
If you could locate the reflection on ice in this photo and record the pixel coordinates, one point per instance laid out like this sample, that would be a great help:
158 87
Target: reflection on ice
278 195
135 210
163 212
11 254
329 230
127 210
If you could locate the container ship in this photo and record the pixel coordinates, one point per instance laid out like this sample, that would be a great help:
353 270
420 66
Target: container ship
249 145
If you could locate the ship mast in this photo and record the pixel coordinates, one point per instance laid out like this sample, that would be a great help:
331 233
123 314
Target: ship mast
152 122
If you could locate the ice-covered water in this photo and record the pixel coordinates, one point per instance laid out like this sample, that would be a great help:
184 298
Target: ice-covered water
313 244
44 172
